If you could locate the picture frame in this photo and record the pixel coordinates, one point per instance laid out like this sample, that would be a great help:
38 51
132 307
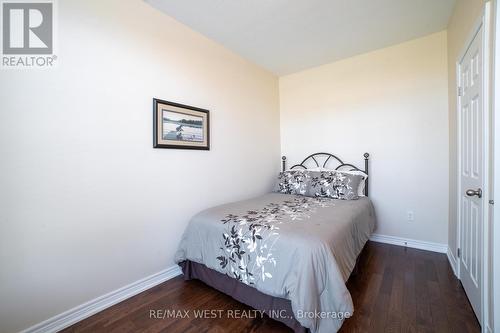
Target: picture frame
180 126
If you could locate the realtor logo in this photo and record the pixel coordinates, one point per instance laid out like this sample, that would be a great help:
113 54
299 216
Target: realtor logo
27 29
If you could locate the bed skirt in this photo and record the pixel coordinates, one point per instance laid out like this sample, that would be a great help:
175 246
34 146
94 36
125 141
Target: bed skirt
244 294
249 295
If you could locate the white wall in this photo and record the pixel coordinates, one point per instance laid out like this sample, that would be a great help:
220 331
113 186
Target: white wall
86 204
393 104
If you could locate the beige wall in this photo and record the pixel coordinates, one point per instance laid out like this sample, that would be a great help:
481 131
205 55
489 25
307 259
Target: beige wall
392 103
86 204
460 27
85 210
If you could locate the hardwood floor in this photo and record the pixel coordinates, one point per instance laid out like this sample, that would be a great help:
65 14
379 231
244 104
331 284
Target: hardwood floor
396 290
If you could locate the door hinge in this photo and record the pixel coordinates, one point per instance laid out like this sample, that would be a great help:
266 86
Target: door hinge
458 252
460 91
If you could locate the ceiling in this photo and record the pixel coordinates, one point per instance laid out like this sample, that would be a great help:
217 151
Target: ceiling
286 36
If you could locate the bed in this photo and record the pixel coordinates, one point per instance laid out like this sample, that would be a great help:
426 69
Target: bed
287 255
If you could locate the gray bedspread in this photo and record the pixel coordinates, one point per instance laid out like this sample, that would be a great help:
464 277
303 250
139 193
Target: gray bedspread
294 247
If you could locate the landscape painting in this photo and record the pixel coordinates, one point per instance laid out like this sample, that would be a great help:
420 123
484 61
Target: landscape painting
180 126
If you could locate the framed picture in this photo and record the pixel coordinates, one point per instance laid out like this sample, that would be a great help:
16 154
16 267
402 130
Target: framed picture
180 126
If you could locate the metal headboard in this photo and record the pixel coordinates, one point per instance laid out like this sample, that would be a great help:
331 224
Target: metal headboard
322 159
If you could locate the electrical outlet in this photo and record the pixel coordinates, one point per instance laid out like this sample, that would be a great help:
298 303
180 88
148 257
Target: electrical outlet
410 216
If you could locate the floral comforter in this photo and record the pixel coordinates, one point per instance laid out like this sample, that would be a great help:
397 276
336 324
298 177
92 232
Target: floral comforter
289 246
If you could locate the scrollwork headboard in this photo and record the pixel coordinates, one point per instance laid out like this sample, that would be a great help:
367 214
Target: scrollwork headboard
321 160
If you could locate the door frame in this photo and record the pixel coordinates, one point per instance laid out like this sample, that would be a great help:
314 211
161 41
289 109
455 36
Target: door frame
495 222
484 21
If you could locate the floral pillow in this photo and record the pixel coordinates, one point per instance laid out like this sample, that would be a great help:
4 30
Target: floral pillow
333 184
292 182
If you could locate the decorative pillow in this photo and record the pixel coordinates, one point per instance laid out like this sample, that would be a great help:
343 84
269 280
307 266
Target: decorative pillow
362 183
334 184
292 182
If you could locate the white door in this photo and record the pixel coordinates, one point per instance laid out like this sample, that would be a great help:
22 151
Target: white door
471 170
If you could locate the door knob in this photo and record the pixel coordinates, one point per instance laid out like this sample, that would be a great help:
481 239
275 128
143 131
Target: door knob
472 193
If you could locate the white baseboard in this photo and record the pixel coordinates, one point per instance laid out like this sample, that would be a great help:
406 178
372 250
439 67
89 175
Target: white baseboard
98 304
453 261
413 243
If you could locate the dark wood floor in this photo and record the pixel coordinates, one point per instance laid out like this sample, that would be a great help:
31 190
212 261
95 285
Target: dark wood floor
396 290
